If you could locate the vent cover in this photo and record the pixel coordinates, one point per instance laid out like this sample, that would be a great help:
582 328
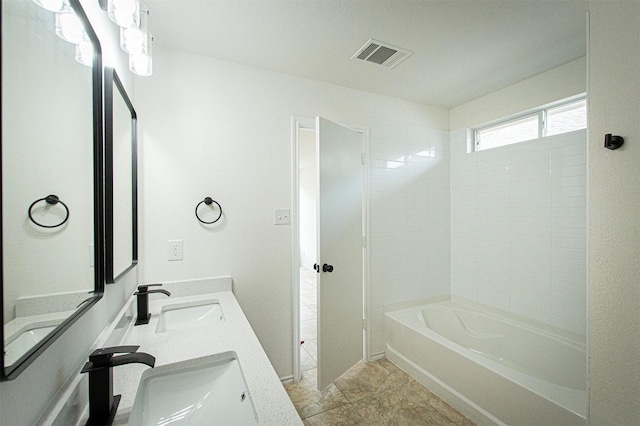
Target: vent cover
381 53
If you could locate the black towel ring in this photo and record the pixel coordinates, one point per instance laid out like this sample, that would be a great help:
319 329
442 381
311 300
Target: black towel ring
53 200
208 201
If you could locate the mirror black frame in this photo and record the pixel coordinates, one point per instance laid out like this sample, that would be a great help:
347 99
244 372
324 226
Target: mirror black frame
111 83
9 373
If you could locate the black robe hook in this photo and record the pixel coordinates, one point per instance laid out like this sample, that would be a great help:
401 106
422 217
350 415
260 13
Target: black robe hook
613 142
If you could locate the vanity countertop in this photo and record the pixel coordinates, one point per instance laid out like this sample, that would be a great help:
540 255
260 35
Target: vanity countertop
272 404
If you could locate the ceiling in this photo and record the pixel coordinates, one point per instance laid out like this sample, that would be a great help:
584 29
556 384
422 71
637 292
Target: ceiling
463 49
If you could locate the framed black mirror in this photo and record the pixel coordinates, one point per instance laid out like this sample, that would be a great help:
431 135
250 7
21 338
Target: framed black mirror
52 221
121 177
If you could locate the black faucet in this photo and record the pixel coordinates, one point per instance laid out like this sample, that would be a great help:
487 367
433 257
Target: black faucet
102 403
143 302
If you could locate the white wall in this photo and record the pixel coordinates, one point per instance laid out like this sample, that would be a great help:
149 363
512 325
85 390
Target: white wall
212 128
409 241
614 202
23 400
308 179
558 83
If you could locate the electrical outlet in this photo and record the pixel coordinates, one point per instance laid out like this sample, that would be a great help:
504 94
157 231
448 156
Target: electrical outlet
175 249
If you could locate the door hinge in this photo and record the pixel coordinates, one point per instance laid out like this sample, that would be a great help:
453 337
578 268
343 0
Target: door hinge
364 323
363 158
364 241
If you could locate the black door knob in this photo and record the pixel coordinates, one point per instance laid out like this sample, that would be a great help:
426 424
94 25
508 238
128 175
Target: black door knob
316 267
327 268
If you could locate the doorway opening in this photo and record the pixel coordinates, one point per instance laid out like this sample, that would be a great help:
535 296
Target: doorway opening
329 307
308 283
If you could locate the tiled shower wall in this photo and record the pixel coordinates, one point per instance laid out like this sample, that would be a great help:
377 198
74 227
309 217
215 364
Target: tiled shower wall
518 227
409 238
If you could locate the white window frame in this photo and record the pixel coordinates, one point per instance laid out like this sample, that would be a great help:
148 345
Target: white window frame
540 112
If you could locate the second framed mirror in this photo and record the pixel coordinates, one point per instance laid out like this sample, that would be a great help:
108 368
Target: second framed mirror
121 209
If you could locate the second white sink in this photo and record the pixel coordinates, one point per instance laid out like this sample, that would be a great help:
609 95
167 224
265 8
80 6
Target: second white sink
206 391
18 346
183 316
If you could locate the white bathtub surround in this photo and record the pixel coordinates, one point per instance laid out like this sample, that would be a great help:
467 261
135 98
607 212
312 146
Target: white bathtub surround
409 234
492 369
518 227
171 348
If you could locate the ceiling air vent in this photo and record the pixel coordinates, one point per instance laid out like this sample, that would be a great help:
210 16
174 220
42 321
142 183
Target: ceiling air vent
380 53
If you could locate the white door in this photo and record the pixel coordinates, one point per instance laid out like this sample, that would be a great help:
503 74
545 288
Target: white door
340 249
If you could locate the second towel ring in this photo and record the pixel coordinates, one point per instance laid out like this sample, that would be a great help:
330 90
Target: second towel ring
53 200
208 201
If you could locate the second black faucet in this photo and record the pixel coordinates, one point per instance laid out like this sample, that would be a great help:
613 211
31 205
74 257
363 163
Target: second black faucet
143 301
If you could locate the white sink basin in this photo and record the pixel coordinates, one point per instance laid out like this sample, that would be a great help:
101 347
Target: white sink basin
205 391
183 316
24 341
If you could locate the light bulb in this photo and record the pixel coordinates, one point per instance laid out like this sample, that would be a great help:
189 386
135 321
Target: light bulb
69 27
141 64
125 13
124 19
126 6
133 40
84 53
52 5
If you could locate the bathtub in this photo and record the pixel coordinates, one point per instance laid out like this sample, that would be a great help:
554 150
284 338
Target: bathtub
493 369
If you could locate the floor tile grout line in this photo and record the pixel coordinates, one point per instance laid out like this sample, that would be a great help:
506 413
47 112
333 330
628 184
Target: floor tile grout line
332 408
307 351
315 363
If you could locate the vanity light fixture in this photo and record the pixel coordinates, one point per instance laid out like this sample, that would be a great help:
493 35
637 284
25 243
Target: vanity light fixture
137 43
135 39
125 13
69 27
142 63
84 53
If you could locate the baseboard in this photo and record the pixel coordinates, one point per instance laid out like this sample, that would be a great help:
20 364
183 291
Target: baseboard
286 379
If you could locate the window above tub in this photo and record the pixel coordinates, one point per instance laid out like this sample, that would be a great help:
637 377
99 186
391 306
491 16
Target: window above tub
554 119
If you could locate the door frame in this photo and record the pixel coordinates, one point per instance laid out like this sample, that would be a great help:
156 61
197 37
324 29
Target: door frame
298 123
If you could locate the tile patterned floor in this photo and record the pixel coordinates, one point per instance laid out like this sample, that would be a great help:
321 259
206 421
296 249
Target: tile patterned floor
308 320
370 393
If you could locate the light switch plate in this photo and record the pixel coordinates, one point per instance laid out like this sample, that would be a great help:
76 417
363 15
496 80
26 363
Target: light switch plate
282 217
